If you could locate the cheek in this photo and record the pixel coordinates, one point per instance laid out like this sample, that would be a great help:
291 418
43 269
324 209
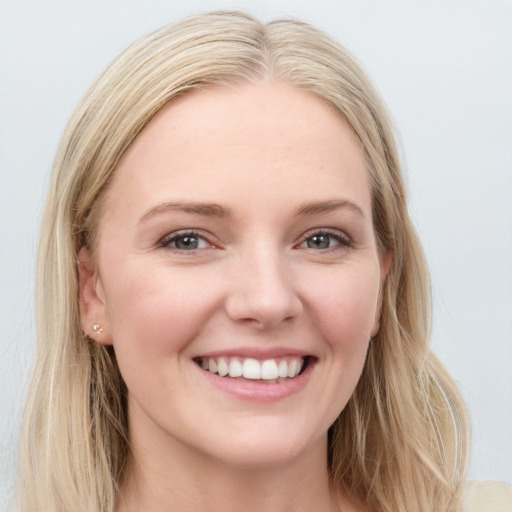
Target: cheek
347 318
344 306
154 311
346 310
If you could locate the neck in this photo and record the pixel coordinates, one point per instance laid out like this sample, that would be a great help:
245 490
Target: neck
183 479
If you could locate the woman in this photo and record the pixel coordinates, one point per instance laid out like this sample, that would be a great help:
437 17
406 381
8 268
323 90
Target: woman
233 305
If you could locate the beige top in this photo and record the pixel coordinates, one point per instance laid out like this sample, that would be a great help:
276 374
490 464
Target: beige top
488 497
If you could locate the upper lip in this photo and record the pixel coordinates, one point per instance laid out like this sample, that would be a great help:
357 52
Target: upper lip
259 353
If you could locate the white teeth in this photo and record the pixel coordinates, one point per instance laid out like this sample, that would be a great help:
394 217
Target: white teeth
269 370
212 365
283 369
222 367
293 368
251 369
235 368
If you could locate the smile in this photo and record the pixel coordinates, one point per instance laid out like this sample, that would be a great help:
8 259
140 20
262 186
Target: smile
271 371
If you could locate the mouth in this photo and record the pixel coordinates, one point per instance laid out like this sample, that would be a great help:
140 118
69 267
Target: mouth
248 369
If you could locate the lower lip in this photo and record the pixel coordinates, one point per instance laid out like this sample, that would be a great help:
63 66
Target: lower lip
258 390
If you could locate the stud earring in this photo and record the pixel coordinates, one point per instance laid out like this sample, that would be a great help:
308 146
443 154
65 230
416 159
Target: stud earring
97 328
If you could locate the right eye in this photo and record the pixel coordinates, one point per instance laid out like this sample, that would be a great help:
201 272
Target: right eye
186 241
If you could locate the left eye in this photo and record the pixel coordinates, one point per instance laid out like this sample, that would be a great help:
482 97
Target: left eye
185 242
324 241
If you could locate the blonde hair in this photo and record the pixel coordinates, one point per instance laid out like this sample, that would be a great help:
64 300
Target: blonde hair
401 442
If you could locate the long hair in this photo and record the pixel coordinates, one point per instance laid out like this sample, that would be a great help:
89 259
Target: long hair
401 442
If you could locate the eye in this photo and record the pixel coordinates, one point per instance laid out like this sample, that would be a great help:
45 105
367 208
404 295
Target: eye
185 241
325 240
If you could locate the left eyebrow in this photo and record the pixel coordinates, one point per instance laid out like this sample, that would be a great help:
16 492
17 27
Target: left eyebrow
316 207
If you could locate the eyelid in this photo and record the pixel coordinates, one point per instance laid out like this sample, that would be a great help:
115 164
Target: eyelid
166 240
344 240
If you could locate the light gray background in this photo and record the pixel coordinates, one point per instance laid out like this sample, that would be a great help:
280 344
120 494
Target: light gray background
445 69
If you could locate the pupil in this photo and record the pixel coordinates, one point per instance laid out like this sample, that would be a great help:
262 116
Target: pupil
319 242
187 242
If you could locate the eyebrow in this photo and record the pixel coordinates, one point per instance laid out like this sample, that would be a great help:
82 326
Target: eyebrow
216 210
206 209
316 207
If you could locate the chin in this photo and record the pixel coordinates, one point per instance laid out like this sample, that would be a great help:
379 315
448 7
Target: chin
267 445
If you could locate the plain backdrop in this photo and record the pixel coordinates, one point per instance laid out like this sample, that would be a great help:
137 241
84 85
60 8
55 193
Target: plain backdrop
444 68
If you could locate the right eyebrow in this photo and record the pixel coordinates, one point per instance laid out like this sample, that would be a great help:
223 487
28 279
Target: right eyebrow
206 209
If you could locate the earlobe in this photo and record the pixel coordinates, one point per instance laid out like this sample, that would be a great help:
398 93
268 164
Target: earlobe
93 309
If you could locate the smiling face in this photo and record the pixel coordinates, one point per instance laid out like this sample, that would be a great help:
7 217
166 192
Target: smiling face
237 275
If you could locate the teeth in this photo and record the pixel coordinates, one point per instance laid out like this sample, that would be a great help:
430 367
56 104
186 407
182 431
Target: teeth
235 368
282 370
293 368
251 369
222 367
212 365
270 370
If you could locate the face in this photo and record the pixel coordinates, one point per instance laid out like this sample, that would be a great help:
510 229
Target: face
237 274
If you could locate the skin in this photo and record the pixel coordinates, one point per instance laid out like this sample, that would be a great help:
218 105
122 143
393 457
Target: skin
257 280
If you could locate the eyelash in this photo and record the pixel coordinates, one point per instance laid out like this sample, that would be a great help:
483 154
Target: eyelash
167 240
343 241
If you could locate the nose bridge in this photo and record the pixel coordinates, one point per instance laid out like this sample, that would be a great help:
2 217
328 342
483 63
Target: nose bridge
263 291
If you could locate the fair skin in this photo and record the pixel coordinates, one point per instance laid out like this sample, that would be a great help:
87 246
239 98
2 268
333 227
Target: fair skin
236 236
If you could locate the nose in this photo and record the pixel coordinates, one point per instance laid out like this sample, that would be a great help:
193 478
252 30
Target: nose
263 292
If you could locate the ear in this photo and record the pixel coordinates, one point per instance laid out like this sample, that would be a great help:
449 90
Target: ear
385 266
93 309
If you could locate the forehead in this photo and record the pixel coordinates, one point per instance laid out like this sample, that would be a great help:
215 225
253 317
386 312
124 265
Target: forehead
247 139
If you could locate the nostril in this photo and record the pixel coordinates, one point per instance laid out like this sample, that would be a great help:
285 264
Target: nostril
262 314
264 296
251 322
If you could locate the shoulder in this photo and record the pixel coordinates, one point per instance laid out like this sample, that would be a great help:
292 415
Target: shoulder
487 497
